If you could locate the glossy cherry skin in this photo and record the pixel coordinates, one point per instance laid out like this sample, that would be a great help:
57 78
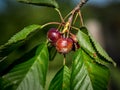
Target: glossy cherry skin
53 35
64 45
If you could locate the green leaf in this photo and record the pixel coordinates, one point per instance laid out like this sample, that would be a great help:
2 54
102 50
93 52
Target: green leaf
9 62
84 42
61 81
93 48
30 75
17 40
100 50
52 52
49 3
87 74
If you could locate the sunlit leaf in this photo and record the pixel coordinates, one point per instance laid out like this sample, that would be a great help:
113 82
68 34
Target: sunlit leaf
30 75
87 74
49 3
61 81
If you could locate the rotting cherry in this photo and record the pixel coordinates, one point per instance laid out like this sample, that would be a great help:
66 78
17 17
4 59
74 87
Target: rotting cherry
75 46
53 35
75 42
64 45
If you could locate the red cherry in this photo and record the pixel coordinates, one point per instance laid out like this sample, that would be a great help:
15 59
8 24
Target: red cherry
64 45
74 38
76 46
53 35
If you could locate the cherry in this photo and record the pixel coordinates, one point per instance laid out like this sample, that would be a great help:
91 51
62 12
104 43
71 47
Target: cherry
64 45
53 35
74 38
75 46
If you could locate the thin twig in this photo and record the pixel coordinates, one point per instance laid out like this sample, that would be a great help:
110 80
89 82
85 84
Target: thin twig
81 3
77 9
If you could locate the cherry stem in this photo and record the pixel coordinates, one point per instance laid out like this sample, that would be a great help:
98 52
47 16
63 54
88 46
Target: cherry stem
58 23
81 19
77 10
70 21
61 17
50 24
67 15
64 60
76 16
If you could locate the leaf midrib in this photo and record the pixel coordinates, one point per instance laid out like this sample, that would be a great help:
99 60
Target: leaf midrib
35 60
87 71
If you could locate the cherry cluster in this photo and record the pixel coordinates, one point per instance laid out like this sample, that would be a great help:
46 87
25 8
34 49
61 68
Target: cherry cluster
62 44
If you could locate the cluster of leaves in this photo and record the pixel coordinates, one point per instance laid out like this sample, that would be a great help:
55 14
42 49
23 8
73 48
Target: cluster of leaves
89 70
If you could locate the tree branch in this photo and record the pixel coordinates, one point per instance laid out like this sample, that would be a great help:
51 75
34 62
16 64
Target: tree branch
82 2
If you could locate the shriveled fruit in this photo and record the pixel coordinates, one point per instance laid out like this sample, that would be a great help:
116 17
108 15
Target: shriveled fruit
53 35
64 45
75 46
